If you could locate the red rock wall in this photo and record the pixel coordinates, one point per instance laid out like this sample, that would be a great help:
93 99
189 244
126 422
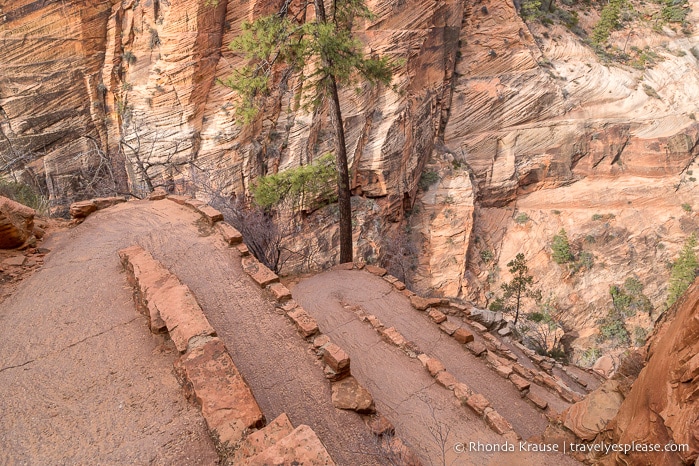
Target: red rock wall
663 404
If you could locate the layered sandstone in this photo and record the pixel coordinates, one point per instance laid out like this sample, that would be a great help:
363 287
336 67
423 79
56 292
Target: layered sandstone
526 130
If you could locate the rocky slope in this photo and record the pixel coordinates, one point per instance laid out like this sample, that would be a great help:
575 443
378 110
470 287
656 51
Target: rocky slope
526 131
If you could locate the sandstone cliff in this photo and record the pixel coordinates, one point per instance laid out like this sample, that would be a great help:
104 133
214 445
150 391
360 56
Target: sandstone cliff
526 130
663 404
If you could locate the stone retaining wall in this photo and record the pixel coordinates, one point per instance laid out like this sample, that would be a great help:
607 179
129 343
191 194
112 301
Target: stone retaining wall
207 372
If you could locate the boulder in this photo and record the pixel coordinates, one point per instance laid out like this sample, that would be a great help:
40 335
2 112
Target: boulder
82 209
243 250
496 422
434 366
394 337
590 416
227 404
537 400
16 223
462 392
519 382
178 199
604 366
349 395
476 347
487 318
446 380
210 214
448 327
379 425
182 315
279 291
157 194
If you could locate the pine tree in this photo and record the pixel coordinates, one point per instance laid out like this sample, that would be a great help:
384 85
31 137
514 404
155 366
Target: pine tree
683 272
560 247
516 289
337 59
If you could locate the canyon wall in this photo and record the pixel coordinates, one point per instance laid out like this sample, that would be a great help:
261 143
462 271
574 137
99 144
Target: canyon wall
524 129
663 404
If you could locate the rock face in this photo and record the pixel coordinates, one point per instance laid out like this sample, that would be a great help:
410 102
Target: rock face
590 416
494 134
16 223
663 404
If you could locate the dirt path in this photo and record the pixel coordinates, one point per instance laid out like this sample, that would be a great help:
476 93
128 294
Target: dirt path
82 379
402 389
85 382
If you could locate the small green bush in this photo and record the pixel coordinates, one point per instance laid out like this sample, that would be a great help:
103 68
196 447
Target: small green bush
25 195
609 21
686 207
639 335
487 256
521 218
683 271
650 91
427 179
590 356
129 57
560 248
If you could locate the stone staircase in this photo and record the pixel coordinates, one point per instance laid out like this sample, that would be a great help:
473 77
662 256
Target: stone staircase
209 377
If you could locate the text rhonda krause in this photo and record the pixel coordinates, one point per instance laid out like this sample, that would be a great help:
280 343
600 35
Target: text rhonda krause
604 448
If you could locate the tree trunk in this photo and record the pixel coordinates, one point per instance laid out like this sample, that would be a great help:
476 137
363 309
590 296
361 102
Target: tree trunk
343 184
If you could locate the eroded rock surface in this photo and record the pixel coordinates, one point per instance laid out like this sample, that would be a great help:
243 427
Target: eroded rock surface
16 223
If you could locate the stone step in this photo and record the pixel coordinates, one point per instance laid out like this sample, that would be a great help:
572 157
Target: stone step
264 438
301 446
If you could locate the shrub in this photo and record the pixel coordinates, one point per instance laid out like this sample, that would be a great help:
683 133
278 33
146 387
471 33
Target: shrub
686 207
26 195
427 179
560 248
487 256
154 39
639 335
129 57
683 271
629 298
675 11
609 21
521 218
612 328
650 91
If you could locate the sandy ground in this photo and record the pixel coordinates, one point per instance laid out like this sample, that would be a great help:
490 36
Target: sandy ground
82 305
426 415
83 381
